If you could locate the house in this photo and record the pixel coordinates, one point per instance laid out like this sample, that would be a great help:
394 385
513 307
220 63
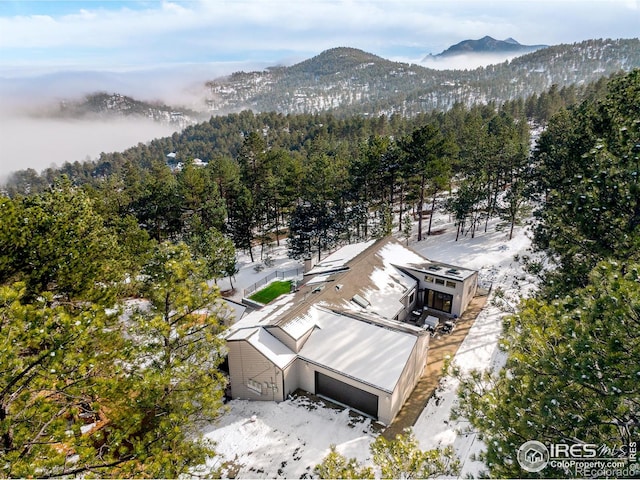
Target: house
348 333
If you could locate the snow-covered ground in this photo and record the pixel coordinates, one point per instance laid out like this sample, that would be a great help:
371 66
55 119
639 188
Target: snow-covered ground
286 440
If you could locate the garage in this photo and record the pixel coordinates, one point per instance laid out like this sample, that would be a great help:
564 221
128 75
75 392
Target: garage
346 394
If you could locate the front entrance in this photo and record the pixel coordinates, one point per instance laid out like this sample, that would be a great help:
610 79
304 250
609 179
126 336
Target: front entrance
346 394
438 300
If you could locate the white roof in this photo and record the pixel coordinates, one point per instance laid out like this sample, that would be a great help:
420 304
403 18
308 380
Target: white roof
445 270
265 315
338 260
272 348
319 279
365 352
300 325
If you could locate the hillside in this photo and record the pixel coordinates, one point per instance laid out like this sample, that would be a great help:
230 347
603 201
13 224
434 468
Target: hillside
102 104
347 81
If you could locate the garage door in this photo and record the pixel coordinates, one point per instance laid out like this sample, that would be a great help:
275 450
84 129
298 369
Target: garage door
347 394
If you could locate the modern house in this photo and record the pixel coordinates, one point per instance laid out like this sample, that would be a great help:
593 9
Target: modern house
344 333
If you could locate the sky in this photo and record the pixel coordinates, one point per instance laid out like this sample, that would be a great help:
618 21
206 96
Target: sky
53 51
37 35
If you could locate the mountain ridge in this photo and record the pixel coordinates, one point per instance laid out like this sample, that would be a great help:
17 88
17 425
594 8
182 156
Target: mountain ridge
486 44
346 80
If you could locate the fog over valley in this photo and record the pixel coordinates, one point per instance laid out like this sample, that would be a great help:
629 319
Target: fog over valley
32 137
38 143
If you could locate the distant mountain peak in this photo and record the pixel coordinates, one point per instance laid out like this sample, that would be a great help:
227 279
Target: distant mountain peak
487 44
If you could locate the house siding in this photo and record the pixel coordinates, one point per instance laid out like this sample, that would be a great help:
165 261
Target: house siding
291 379
462 294
246 366
470 290
411 374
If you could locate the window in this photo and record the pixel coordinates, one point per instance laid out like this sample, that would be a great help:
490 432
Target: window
428 279
439 281
439 301
412 297
255 386
451 284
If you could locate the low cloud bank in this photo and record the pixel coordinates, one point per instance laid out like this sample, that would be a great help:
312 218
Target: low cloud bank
178 85
467 62
39 143
32 137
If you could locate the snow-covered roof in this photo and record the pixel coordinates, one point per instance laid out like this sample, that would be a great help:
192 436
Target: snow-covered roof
373 284
387 285
236 310
272 348
360 350
266 314
443 270
298 326
339 259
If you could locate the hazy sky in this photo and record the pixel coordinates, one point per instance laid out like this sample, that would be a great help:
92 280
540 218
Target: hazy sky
110 35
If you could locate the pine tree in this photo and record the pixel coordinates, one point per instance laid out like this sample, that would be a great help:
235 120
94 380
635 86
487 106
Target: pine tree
397 458
571 377
174 353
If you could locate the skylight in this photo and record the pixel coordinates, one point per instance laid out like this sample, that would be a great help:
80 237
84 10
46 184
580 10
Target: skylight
361 301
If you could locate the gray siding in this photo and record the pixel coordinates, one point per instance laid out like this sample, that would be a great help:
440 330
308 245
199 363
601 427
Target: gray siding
462 294
411 374
249 368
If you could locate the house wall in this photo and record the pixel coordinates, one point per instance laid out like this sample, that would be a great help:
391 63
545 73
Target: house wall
463 292
291 379
470 290
247 366
411 374
409 304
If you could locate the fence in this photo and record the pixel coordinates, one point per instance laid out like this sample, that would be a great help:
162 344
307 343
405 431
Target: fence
292 273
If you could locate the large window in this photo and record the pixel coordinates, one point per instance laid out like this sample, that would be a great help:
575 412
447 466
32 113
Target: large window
439 301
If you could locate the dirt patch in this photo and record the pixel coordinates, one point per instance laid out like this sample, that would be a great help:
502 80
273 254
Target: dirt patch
230 469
